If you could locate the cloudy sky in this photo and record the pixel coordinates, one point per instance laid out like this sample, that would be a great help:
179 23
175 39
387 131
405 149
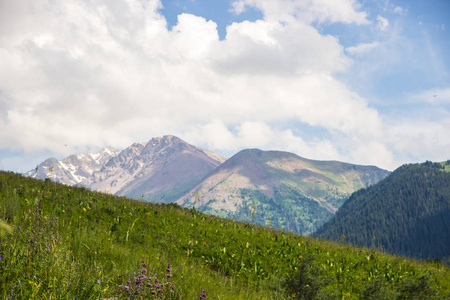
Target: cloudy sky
361 81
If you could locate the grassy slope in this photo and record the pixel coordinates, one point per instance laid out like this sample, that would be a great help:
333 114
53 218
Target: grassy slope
69 242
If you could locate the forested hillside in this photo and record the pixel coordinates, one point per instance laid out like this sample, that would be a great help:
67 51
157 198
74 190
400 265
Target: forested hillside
407 213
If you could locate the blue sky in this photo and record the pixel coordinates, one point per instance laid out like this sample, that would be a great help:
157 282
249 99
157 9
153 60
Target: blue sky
365 82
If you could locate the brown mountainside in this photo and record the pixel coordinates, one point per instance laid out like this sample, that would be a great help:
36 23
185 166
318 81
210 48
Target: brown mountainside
279 185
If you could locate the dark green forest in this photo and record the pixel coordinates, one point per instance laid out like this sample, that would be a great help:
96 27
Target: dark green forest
287 210
407 213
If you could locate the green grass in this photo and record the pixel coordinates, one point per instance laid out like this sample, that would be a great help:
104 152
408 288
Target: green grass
61 242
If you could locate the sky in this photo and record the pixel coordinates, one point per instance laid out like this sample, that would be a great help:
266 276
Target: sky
360 81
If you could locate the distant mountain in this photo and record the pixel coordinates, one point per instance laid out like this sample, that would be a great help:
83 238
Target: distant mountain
163 167
279 189
73 169
407 213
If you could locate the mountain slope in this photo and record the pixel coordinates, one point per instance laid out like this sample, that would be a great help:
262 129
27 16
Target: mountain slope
407 213
164 167
279 189
74 168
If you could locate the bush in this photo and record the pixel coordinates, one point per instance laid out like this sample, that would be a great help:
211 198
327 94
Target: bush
418 288
377 289
308 281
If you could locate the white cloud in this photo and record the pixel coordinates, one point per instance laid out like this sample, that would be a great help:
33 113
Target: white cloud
398 10
308 11
411 138
91 74
362 48
432 96
262 136
265 47
383 23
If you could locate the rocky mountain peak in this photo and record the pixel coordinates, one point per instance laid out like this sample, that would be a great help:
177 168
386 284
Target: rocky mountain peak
163 166
73 169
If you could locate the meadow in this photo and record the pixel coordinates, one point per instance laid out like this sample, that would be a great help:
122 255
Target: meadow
60 242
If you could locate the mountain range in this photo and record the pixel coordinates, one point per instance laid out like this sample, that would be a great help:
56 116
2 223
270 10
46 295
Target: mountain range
272 188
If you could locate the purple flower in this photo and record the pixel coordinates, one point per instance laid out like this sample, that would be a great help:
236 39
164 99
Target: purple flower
160 291
98 281
20 227
143 271
153 292
172 287
1 257
144 264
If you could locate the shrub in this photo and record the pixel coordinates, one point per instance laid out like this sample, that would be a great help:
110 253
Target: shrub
418 288
377 289
308 281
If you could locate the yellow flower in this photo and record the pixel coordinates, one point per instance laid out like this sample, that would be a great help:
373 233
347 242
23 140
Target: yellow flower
32 282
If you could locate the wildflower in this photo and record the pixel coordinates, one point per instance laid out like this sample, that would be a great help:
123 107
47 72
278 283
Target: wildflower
160 291
172 287
153 292
98 281
143 271
144 264
1 257
20 227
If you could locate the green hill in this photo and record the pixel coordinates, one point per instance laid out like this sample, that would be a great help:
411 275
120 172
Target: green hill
407 213
60 242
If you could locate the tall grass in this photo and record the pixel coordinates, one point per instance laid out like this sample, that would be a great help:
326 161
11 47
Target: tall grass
71 243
